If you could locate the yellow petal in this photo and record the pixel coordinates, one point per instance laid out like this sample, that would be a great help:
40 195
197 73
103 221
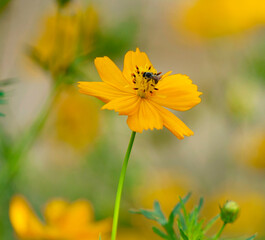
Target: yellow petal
90 232
126 105
78 214
147 117
133 59
24 221
177 92
173 124
54 211
111 74
64 215
101 90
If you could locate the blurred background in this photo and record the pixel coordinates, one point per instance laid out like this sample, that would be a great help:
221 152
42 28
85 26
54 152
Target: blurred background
57 143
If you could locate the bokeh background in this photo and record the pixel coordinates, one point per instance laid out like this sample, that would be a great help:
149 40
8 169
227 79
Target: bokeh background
57 143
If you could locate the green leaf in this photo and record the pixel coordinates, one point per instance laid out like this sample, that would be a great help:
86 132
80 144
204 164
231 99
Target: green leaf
177 208
148 214
183 235
161 218
210 223
99 237
181 221
252 237
159 232
183 208
200 204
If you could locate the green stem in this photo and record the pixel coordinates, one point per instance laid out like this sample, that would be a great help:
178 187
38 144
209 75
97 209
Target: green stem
220 232
171 233
120 186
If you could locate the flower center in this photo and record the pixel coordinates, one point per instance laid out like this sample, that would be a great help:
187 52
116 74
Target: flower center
145 80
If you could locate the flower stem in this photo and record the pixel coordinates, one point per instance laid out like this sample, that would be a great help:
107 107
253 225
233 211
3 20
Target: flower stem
220 232
120 186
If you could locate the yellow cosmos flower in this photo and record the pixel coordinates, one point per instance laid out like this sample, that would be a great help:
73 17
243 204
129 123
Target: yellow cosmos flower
214 18
57 45
70 221
66 35
141 93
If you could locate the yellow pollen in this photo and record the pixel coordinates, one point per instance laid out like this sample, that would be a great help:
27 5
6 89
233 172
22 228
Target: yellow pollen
145 80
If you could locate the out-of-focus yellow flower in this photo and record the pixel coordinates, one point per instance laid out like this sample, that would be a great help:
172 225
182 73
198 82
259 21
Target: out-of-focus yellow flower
252 212
57 46
70 221
77 119
214 18
66 35
141 93
89 25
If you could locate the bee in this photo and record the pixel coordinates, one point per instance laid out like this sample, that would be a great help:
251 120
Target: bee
154 76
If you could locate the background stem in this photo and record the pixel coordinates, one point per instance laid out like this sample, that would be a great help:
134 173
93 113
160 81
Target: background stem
14 159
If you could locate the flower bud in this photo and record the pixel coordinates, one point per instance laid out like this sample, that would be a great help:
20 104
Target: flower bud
229 212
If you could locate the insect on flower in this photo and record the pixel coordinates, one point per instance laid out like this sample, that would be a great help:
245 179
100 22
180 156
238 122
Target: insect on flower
155 77
141 93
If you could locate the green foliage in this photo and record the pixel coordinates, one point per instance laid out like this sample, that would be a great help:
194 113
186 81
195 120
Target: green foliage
3 83
252 237
3 4
189 224
254 63
62 3
115 41
2 100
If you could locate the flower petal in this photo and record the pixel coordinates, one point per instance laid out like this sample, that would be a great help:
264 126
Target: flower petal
54 211
173 124
111 74
66 215
147 117
132 59
177 92
126 105
24 221
101 90
78 214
